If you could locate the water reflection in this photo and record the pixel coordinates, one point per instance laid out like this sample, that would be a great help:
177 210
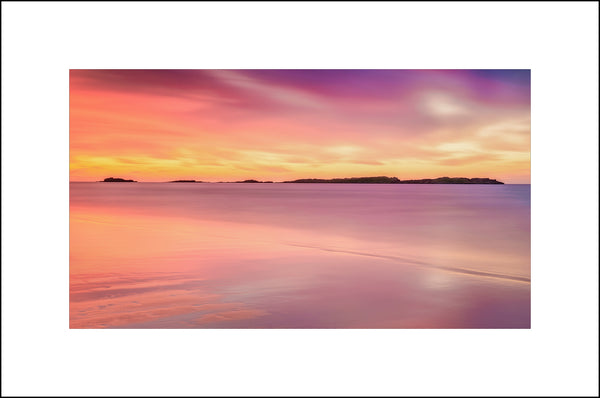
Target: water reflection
299 256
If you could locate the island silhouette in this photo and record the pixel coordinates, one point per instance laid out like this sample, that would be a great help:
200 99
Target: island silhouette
253 182
112 179
395 180
352 180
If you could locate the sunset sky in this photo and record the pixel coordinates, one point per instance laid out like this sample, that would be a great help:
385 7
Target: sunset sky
229 125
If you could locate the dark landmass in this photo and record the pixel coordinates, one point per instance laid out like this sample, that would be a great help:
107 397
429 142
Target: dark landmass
394 180
112 179
452 180
254 182
352 180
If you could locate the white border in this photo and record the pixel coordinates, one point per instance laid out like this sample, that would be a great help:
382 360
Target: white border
41 41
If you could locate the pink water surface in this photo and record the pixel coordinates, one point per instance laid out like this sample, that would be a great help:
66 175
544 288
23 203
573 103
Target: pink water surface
220 255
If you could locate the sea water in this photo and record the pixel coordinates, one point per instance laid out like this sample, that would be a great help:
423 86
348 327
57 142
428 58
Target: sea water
278 255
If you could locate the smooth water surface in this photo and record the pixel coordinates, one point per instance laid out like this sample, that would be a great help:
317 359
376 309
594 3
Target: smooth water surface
226 255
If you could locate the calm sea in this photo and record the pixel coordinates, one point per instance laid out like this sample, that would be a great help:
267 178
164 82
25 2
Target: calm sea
226 255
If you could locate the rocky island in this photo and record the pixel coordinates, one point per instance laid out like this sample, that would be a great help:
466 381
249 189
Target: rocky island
395 180
253 182
452 180
112 179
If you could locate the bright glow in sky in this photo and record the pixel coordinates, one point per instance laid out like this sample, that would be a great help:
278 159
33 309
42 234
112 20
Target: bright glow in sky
229 125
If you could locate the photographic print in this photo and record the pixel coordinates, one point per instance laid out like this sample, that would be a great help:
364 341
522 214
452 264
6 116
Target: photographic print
299 199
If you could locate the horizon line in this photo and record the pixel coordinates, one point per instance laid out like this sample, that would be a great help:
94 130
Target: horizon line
188 180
